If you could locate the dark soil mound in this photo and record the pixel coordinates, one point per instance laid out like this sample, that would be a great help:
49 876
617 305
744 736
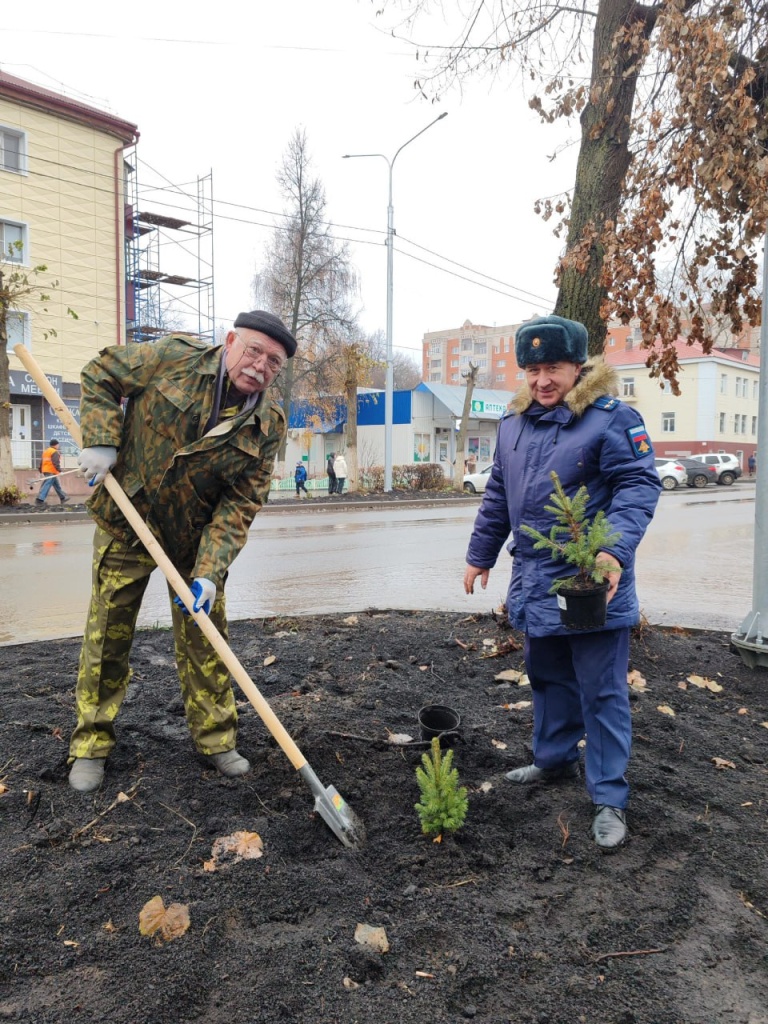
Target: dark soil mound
517 918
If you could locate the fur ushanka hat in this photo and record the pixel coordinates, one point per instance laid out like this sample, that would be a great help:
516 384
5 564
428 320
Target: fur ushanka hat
551 339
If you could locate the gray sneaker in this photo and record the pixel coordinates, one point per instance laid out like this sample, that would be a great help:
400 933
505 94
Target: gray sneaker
609 827
530 773
87 774
229 763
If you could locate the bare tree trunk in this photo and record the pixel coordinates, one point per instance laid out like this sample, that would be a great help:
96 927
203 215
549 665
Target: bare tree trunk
351 453
461 440
604 158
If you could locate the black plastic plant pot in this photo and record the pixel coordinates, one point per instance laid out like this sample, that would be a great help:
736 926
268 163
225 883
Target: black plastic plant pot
583 607
439 720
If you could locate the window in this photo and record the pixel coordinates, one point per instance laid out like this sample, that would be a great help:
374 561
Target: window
628 387
501 363
736 423
754 426
422 447
723 383
435 347
454 362
466 344
520 375
435 362
611 341
13 234
754 389
666 388
500 378
722 422
668 422
741 387
743 423
18 329
435 376
13 150
481 347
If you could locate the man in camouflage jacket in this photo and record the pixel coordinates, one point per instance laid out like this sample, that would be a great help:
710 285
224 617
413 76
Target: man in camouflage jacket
191 437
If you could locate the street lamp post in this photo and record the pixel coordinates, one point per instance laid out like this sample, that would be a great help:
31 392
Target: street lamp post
390 378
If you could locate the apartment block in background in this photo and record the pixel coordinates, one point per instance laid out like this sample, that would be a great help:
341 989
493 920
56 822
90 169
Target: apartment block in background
62 172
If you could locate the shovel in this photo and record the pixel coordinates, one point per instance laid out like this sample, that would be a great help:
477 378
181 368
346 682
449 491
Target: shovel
329 803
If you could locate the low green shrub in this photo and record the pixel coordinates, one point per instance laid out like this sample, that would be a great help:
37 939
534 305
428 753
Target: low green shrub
10 495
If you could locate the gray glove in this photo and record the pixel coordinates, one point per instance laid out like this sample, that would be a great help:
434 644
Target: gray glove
96 462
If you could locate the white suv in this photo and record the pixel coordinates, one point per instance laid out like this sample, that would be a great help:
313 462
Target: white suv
727 466
671 473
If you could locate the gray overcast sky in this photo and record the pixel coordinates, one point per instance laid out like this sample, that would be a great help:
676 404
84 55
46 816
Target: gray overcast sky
223 86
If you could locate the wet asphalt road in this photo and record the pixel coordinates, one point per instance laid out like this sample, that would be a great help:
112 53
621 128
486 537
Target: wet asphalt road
694 566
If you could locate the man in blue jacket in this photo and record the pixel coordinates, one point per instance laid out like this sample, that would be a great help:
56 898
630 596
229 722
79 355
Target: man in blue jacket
566 419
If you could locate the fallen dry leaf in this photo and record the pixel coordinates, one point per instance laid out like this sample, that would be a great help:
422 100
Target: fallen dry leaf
235 847
499 745
720 762
121 797
705 684
487 642
665 709
423 974
269 660
171 922
517 706
372 937
109 927
71 942
423 668
485 787
764 725
636 681
3 789
351 620
742 711
509 675
348 983
399 738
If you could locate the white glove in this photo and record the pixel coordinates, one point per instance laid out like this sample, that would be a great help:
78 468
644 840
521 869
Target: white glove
96 462
204 593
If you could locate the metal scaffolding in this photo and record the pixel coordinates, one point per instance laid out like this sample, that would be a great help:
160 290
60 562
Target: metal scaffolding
169 259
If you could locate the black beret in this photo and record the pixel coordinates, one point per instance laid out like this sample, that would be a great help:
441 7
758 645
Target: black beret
551 339
269 324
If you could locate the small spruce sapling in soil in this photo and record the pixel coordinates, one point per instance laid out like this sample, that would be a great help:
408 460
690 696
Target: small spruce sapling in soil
443 806
574 539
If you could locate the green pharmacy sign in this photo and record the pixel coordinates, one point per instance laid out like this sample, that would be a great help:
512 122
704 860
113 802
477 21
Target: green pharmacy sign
488 408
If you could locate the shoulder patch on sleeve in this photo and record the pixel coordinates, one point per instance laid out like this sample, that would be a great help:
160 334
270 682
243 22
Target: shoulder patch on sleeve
606 402
640 442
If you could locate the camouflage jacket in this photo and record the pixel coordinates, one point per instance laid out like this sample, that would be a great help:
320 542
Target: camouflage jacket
198 494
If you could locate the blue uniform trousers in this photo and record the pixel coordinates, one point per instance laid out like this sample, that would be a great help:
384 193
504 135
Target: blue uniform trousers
579 685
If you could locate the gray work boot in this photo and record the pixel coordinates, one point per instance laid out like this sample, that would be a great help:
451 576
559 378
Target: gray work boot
530 773
609 828
86 774
229 763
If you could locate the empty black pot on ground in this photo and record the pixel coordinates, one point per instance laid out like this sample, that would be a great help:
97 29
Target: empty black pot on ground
583 607
439 720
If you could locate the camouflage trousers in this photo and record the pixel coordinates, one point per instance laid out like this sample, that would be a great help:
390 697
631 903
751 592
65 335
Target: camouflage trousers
120 577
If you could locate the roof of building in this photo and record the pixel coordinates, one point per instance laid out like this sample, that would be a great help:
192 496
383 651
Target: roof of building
452 397
31 95
637 356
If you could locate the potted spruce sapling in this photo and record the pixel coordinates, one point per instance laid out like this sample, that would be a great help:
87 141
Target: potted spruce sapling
582 597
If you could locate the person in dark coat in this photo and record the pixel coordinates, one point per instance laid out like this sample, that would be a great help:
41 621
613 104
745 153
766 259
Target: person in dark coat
331 475
567 419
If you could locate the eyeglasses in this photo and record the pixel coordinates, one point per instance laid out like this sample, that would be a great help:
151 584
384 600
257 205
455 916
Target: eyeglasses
254 352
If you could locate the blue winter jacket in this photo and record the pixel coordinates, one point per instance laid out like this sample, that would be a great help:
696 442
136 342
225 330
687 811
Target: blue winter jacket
591 439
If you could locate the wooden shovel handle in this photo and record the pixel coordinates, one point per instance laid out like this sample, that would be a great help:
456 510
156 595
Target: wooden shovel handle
170 572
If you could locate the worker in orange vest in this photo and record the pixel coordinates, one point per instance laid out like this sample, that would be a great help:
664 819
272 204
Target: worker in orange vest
50 467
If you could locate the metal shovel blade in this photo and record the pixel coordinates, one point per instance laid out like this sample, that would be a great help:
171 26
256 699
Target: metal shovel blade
335 811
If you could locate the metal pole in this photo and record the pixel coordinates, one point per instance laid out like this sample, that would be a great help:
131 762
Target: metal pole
389 387
389 383
751 638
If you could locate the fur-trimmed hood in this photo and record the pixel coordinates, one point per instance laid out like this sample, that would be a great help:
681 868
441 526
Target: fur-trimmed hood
597 379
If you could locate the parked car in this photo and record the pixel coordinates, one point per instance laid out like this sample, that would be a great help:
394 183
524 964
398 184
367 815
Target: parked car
474 483
699 475
726 466
671 473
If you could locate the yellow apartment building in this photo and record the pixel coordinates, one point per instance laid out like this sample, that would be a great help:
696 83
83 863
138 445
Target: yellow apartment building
62 172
